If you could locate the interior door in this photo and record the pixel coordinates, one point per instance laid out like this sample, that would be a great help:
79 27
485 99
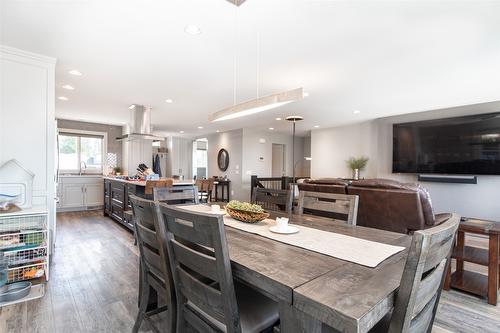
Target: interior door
278 160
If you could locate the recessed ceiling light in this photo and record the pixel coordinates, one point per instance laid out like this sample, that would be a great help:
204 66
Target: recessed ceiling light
169 101
181 132
68 87
200 127
62 98
192 29
316 126
131 107
217 131
75 72
305 94
278 118
356 112
271 128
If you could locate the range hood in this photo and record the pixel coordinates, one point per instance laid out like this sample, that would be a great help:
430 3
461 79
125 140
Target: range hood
140 125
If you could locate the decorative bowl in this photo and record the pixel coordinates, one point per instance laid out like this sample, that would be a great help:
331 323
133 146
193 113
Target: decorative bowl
247 216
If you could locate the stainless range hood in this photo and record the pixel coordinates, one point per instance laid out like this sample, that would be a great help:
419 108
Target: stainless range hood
140 125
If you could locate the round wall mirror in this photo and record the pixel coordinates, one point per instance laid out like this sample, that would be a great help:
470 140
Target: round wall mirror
223 160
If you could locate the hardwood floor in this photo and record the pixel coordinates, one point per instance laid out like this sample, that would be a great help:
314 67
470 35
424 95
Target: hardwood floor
94 280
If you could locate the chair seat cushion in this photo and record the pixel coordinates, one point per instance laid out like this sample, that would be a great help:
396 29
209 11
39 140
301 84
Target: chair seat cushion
257 312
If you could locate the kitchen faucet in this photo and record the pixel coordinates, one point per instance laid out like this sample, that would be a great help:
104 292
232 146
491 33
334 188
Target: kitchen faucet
85 167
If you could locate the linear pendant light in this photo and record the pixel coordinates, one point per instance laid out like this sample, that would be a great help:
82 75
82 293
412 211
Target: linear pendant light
258 105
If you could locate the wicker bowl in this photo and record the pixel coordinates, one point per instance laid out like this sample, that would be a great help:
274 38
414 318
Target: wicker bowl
246 216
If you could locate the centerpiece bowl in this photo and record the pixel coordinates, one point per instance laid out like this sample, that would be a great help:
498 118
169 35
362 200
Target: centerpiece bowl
246 212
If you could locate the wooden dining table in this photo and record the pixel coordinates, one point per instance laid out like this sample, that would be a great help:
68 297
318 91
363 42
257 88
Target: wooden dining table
314 289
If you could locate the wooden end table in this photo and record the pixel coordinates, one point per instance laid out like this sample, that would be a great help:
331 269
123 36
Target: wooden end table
472 282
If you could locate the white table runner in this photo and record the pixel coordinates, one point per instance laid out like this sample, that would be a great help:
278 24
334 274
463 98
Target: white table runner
356 250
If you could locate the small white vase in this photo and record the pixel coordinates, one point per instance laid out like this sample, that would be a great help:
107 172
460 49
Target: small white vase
355 174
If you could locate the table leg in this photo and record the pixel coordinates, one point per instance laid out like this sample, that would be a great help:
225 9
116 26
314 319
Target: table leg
216 195
460 246
447 280
493 270
293 320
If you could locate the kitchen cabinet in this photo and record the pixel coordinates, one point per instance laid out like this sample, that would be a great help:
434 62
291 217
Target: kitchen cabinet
81 193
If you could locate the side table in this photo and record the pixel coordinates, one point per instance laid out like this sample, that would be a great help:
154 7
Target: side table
224 187
472 282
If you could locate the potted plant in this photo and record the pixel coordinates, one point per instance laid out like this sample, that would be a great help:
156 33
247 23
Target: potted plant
117 170
357 165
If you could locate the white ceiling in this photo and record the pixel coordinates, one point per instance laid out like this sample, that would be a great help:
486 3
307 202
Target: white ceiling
382 58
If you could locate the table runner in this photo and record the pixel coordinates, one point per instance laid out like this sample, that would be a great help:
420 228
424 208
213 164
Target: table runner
352 249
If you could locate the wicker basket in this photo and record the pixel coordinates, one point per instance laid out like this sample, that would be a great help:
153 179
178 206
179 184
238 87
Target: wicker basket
246 216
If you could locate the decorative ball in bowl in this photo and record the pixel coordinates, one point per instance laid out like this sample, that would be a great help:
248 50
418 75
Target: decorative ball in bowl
246 212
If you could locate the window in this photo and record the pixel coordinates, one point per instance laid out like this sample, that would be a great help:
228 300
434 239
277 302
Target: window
80 152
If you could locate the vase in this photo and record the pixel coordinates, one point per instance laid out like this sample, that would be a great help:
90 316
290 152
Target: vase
355 174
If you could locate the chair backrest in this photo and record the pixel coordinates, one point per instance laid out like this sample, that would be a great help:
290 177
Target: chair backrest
176 194
273 199
150 184
201 269
423 278
338 206
205 185
152 248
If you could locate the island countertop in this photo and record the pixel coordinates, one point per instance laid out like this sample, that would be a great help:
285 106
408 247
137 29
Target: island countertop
177 182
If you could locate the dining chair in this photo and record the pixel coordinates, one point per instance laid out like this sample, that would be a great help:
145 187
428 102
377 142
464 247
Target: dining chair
208 300
338 206
205 187
176 194
273 199
423 277
155 274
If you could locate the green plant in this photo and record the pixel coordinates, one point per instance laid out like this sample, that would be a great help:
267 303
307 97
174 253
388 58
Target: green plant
234 204
117 169
357 163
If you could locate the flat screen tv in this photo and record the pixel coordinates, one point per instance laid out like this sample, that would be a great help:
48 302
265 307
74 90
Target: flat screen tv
467 145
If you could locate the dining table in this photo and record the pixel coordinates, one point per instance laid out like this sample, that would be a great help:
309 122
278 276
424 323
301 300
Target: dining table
315 290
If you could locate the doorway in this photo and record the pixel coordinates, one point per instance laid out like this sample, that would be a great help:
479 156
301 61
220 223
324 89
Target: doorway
278 160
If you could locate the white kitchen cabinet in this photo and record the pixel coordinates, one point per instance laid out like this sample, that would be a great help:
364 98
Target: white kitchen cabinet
81 193
73 195
94 194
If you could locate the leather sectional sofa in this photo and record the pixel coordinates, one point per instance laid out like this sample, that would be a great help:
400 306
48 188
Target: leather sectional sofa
383 203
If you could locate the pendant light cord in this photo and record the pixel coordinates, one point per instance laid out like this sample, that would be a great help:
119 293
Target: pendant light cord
258 63
235 55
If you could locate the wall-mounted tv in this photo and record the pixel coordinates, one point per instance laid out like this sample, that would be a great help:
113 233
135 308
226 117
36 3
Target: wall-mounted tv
467 145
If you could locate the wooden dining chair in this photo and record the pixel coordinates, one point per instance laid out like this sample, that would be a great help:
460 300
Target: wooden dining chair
338 206
273 199
208 300
176 194
205 187
155 273
423 277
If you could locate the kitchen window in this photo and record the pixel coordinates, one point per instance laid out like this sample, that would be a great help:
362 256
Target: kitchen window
81 152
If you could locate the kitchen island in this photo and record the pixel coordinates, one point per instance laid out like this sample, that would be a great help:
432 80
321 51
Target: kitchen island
116 193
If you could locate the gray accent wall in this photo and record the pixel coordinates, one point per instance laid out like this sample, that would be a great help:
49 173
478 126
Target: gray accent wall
331 147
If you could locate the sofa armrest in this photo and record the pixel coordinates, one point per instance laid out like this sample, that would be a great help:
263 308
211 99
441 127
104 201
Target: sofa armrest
440 218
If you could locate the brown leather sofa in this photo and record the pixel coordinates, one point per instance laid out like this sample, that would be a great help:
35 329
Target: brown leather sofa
385 204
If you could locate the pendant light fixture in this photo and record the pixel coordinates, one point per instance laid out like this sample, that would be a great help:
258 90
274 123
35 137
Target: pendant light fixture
258 104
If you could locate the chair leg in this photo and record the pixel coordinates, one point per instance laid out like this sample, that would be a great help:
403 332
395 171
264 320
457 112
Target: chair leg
143 304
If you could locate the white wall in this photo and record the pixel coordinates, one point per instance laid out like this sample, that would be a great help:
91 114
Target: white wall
331 147
27 121
232 142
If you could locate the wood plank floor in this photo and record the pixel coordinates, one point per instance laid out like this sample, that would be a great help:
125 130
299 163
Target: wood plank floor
94 280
